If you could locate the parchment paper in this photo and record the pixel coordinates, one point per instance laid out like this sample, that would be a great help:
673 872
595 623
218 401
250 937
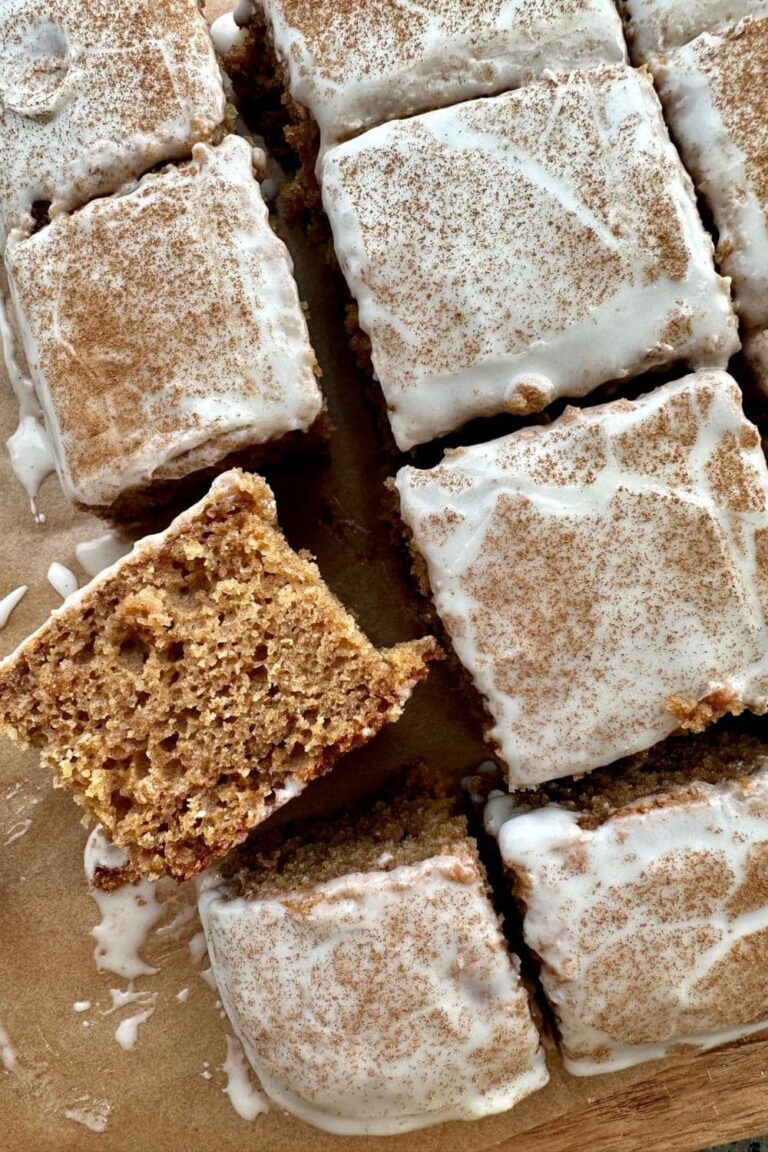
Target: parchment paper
156 1096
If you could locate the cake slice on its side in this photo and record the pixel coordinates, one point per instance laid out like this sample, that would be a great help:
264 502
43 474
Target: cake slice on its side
200 683
364 969
644 892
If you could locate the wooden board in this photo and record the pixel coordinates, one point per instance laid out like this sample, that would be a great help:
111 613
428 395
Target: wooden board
704 1101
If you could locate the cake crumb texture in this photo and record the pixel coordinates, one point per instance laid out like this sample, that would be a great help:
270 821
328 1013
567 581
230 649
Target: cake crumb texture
200 683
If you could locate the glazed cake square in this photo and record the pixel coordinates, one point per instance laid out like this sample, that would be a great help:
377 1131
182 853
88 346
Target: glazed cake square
350 66
200 683
604 579
364 969
163 328
656 26
650 921
508 251
92 94
708 91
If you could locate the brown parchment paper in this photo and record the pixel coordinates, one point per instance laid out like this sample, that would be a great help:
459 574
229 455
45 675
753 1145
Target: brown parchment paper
167 1093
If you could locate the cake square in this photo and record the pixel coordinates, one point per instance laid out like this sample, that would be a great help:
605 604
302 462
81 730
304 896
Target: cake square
508 251
163 328
708 92
199 683
604 579
92 94
350 66
649 919
364 970
656 26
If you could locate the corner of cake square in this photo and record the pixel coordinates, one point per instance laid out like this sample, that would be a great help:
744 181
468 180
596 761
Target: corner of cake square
708 91
94 94
163 329
604 578
509 251
655 27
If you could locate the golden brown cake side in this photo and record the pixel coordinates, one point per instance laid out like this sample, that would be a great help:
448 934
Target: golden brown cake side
200 683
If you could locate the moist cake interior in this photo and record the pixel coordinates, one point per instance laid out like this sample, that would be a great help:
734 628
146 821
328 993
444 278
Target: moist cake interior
731 750
396 829
206 674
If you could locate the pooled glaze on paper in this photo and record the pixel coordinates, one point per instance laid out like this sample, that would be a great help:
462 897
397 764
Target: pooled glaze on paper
9 602
127 914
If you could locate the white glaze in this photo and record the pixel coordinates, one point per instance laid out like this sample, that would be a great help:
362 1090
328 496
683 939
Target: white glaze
62 580
226 34
29 448
9 602
197 947
87 103
453 1040
93 1115
101 552
352 71
590 570
506 252
17 830
239 377
127 914
655 26
81 1005
706 88
127 1031
649 927
122 997
244 1096
208 976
